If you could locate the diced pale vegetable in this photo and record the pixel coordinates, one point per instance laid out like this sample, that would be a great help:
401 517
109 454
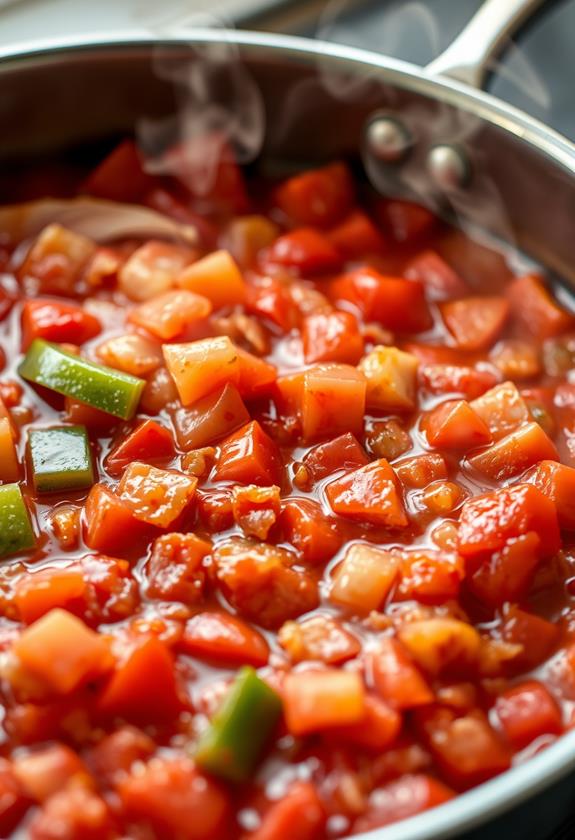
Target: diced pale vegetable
156 496
166 316
217 278
153 269
202 366
364 578
391 379
317 700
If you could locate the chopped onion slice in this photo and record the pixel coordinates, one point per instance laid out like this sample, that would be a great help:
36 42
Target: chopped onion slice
100 220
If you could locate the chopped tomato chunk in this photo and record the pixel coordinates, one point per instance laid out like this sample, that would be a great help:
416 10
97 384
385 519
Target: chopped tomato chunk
249 456
205 421
155 496
440 280
356 235
167 315
502 409
331 337
224 638
319 197
57 321
316 700
455 425
401 799
557 482
202 366
341 453
506 575
216 278
110 524
299 813
120 176
305 525
318 638
304 250
149 442
396 677
370 493
534 309
475 323
515 453
526 712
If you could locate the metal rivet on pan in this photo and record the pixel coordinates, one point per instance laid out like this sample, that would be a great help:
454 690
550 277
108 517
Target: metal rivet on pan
448 167
387 139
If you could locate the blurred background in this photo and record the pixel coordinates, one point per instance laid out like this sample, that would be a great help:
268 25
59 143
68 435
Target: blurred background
535 72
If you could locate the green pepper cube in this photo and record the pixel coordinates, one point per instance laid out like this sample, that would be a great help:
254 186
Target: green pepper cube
60 459
16 532
239 731
101 387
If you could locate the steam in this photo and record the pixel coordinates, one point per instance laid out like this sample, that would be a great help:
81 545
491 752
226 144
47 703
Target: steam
218 103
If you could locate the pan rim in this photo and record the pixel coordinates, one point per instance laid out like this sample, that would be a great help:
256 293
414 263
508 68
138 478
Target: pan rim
493 798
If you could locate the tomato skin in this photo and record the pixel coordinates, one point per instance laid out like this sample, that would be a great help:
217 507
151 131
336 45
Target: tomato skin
166 791
318 198
488 521
331 337
506 575
454 425
440 280
534 310
149 442
395 676
305 525
249 456
57 321
304 250
224 638
393 302
340 453
526 712
398 800
475 323
408 222
371 494
110 525
299 813
120 176
356 235
431 577
557 482
537 637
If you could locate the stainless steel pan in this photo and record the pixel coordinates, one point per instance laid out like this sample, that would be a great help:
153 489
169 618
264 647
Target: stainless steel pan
416 132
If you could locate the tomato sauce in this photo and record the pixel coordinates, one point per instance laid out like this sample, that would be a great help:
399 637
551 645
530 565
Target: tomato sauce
286 510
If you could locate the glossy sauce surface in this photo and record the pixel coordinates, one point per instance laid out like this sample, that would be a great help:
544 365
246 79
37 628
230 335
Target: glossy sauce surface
350 468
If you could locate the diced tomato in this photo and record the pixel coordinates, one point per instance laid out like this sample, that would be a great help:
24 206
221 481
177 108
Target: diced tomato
395 303
110 524
316 700
421 470
256 376
398 800
536 636
391 378
557 482
534 309
467 750
475 322
155 496
149 442
305 250
56 260
319 197
153 269
120 176
356 235
440 280
39 592
454 379
516 359
431 577
80 414
10 468
526 712
223 638
112 757
326 388
515 453
169 314
299 813
455 425
200 367
371 494
205 164
215 277
364 578
131 353
13 802
331 337
488 521
45 651
46 771
166 791
56 321
270 298
256 509
506 575
502 409
441 645
396 677
376 731
143 687
249 456
175 570
259 582
210 418
319 638
305 525
79 813
215 508
341 453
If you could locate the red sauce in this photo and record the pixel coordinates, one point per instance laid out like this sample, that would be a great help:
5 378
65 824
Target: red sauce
350 468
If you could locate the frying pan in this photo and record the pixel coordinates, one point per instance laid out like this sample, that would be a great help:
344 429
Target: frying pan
416 132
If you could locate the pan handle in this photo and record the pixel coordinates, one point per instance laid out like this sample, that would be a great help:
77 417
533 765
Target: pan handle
467 58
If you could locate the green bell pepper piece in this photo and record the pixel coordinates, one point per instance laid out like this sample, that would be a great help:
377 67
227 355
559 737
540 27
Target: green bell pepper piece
16 532
238 732
101 387
60 459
